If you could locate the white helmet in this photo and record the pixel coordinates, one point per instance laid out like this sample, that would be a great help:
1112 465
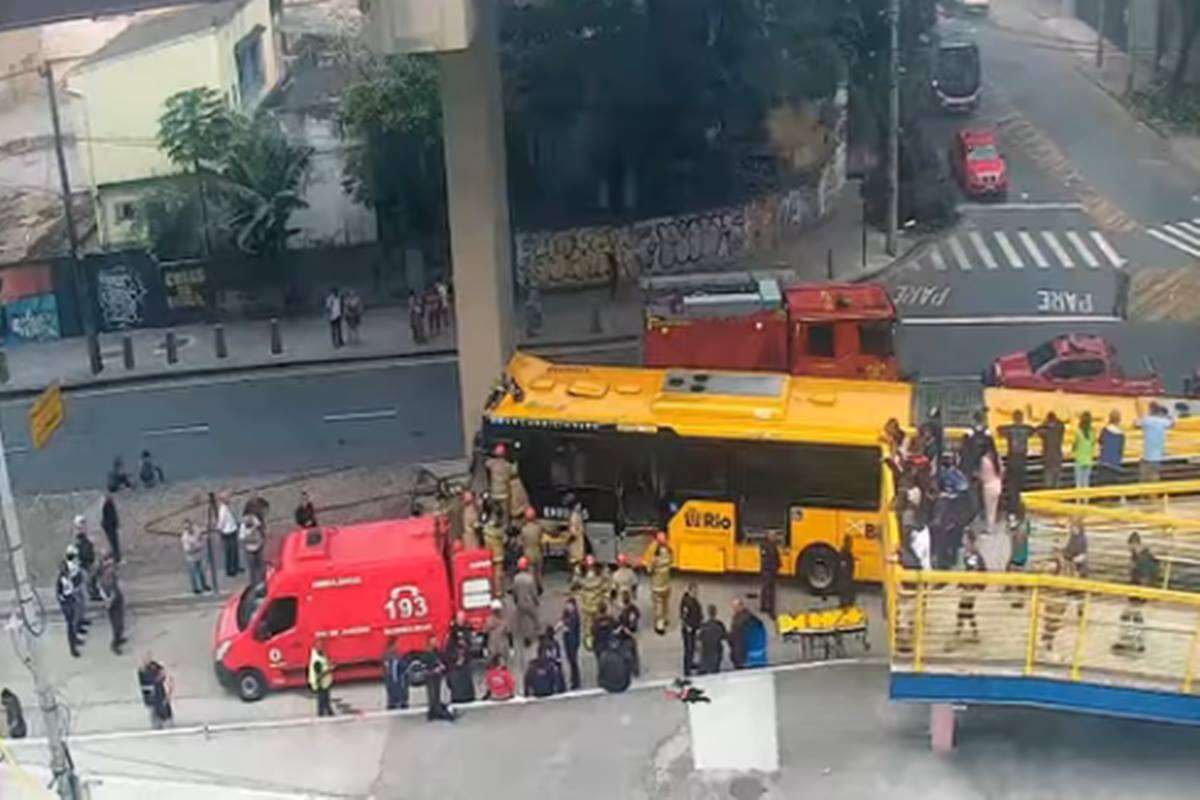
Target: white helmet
80 521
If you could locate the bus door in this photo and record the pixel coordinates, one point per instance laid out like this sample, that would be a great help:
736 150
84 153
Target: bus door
699 505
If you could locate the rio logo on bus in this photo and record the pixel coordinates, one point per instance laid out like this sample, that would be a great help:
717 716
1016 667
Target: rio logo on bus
706 518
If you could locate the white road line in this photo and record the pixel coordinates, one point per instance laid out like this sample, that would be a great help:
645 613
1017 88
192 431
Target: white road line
1077 242
1060 252
1189 227
1196 220
357 416
939 263
1032 247
1181 234
1009 320
1169 242
177 430
1010 252
1108 250
989 260
960 254
1020 207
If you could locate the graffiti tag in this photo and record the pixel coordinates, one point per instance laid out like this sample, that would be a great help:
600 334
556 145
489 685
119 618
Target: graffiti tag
121 295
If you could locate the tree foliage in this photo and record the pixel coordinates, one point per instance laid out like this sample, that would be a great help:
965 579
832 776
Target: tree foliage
195 128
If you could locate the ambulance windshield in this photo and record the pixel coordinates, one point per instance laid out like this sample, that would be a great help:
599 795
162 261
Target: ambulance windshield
252 598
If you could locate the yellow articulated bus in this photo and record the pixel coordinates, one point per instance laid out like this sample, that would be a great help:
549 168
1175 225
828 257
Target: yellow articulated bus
716 459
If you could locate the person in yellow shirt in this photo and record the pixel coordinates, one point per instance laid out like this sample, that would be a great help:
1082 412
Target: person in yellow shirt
320 680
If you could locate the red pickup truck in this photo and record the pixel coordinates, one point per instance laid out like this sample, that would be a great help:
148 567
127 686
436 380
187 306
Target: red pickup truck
1074 362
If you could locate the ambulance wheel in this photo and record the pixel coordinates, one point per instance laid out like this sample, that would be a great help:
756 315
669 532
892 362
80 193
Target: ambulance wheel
251 685
818 568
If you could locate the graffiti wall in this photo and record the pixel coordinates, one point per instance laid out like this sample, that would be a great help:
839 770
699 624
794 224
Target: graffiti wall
578 257
128 291
30 305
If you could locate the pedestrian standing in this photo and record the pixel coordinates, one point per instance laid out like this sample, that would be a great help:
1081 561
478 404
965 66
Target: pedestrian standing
434 672
442 289
457 658
576 538
660 582
500 472
1051 434
1084 451
494 540
320 680
227 525
415 322
738 629
525 596
113 599
1112 449
333 313
157 688
629 618
712 637
1154 428
590 588
768 559
193 556
79 589
306 512
395 675
569 623
253 540
604 629
691 617
972 562
1016 439
352 310
14 717
110 523
87 558
624 579
496 631
470 521
531 545
991 482
64 592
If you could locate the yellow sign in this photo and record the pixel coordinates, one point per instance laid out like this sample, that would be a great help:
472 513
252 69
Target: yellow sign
46 415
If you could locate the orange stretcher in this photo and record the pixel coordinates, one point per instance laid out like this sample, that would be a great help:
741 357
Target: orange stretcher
823 632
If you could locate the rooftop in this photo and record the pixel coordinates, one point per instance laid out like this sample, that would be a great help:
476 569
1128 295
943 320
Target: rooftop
366 542
159 29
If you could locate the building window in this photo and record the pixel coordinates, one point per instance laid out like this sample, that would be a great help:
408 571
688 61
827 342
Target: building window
250 70
125 211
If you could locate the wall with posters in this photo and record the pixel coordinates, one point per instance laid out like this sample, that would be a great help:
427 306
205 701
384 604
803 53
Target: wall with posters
30 305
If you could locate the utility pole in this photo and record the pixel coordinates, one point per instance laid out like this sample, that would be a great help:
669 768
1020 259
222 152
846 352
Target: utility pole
1130 44
82 295
893 162
1100 35
30 624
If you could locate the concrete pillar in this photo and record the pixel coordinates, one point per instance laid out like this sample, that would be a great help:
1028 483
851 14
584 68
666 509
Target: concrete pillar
477 191
941 727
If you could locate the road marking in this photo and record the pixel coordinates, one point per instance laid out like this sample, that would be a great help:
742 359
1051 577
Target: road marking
178 430
1184 235
1167 240
1107 249
358 416
1021 207
1007 320
1189 227
960 255
1032 247
1010 252
989 260
1077 242
1060 252
939 263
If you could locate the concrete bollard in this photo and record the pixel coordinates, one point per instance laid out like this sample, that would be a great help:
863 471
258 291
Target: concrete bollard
3 366
172 348
127 350
276 339
219 338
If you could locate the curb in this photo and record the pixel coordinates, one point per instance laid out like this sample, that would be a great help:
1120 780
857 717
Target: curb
910 253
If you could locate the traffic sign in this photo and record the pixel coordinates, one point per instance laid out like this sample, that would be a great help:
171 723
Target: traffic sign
46 415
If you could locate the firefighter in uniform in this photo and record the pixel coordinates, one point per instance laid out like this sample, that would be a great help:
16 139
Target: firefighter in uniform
660 582
576 542
500 471
624 579
519 498
531 545
590 590
470 521
493 539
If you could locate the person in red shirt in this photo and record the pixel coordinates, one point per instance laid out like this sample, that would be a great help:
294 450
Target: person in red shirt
498 681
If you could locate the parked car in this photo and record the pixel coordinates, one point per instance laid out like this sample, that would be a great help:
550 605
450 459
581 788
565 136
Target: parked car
1074 362
977 164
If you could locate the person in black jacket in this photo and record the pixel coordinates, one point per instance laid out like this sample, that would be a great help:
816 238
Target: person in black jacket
768 553
737 633
691 616
712 637
628 619
604 628
569 624
434 671
612 670
14 717
395 676
306 512
114 600
539 678
110 523
458 661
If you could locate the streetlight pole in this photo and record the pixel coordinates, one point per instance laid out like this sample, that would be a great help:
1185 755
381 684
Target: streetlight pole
893 165
29 623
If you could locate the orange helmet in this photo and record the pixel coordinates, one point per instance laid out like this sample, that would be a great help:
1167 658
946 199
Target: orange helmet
622 559
660 537
522 563
499 450
530 514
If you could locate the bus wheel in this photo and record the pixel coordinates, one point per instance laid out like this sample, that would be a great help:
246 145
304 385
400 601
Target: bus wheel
251 685
818 567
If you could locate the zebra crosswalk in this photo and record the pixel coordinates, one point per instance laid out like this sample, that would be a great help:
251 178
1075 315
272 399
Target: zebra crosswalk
1182 235
1024 249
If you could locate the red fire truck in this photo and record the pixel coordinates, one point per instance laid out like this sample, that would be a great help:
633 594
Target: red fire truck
841 330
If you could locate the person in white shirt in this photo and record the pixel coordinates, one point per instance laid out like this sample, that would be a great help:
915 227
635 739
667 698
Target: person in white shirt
920 543
333 312
227 525
253 539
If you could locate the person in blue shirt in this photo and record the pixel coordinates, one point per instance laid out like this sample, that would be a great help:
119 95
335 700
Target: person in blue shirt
1154 442
1112 448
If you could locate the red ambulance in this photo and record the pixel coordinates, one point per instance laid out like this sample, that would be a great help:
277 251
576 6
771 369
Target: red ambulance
350 588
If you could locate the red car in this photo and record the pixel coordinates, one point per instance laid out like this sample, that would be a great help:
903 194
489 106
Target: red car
977 164
1076 362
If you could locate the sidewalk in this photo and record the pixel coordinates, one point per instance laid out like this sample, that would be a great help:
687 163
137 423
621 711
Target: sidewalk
570 318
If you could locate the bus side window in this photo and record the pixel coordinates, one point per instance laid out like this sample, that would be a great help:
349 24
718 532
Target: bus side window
768 489
692 469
